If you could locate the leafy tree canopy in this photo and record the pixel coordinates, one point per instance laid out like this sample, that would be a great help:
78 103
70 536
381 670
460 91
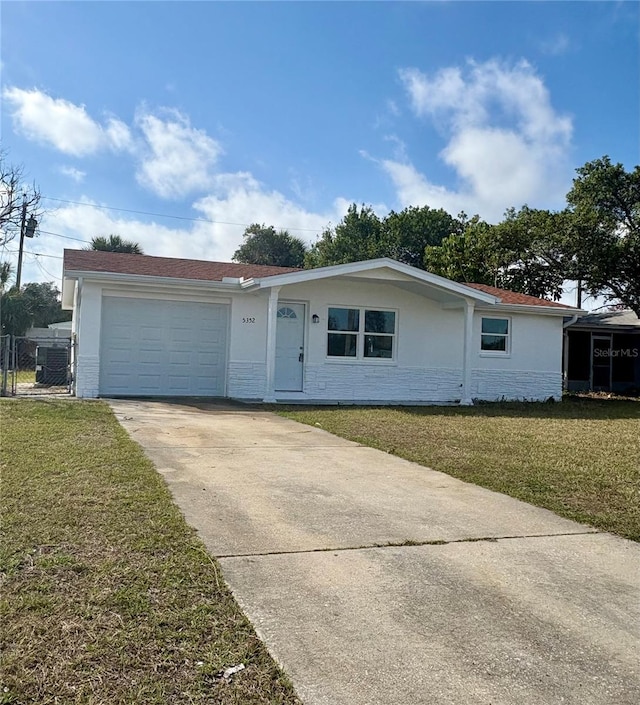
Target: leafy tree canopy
362 235
114 243
523 253
35 304
5 274
358 236
467 255
413 229
604 237
263 245
596 239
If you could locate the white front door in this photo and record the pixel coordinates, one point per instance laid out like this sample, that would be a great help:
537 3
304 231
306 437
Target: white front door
289 347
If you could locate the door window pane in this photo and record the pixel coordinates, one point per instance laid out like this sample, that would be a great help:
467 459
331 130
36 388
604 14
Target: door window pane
347 319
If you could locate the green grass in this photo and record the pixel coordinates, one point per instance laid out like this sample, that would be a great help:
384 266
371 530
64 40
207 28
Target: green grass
107 595
579 458
25 376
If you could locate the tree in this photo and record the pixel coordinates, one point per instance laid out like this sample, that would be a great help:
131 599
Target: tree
43 302
466 256
114 243
35 304
413 229
604 238
263 245
523 253
402 236
532 246
360 235
5 274
15 317
15 197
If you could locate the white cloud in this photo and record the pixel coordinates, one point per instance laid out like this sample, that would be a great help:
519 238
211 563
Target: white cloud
61 124
178 159
506 143
556 45
57 122
237 200
241 198
76 174
173 158
119 135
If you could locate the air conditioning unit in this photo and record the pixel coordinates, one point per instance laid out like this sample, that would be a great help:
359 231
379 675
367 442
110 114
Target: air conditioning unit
52 365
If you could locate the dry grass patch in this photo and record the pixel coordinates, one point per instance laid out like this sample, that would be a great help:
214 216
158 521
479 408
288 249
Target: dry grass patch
107 595
579 458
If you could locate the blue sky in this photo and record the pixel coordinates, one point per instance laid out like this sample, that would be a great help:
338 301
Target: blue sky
284 113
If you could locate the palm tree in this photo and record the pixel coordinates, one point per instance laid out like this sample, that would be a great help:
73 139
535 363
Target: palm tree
5 273
114 243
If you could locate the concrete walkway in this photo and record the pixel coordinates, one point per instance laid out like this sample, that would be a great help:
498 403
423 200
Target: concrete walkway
489 600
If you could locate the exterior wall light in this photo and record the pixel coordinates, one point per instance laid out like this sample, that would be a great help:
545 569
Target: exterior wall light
315 318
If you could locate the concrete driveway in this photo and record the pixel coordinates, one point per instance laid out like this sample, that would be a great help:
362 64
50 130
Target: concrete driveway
376 581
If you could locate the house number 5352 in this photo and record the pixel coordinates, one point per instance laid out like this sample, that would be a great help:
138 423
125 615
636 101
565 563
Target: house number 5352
249 319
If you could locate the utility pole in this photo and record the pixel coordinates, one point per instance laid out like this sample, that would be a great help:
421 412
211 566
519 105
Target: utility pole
27 229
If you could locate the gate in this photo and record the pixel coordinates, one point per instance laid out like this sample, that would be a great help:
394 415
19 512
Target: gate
33 366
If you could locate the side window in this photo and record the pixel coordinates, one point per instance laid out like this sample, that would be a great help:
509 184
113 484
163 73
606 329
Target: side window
495 335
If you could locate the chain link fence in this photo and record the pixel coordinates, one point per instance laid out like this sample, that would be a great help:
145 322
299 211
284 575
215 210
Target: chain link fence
33 366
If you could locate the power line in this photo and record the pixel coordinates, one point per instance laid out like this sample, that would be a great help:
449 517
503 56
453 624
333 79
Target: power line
57 277
66 237
167 215
36 254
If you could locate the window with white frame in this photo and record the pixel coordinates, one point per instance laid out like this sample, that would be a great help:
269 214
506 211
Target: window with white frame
495 335
361 333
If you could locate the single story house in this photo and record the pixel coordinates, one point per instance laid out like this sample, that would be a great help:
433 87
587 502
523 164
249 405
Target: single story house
376 331
602 353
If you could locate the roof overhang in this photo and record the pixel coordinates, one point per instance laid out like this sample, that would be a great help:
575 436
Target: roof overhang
71 276
541 310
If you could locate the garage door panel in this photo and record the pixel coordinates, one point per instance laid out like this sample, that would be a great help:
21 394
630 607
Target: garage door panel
151 347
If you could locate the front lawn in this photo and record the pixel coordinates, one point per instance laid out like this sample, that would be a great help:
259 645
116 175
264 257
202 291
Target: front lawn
579 458
108 597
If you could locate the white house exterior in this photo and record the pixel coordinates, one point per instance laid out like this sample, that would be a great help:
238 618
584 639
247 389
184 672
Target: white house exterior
376 331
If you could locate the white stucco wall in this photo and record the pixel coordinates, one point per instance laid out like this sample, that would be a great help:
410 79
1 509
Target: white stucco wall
427 366
531 370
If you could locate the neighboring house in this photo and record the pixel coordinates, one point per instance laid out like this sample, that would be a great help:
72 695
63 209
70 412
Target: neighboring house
602 353
375 331
54 331
62 325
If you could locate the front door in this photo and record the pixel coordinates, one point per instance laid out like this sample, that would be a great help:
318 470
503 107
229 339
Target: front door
601 363
289 347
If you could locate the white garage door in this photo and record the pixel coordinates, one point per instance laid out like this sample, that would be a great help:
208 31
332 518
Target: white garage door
162 348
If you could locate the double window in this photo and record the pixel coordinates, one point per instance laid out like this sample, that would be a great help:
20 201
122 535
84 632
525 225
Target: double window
361 333
495 335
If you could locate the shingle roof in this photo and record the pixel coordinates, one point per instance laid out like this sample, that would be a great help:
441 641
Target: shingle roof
122 263
147 265
626 318
512 297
